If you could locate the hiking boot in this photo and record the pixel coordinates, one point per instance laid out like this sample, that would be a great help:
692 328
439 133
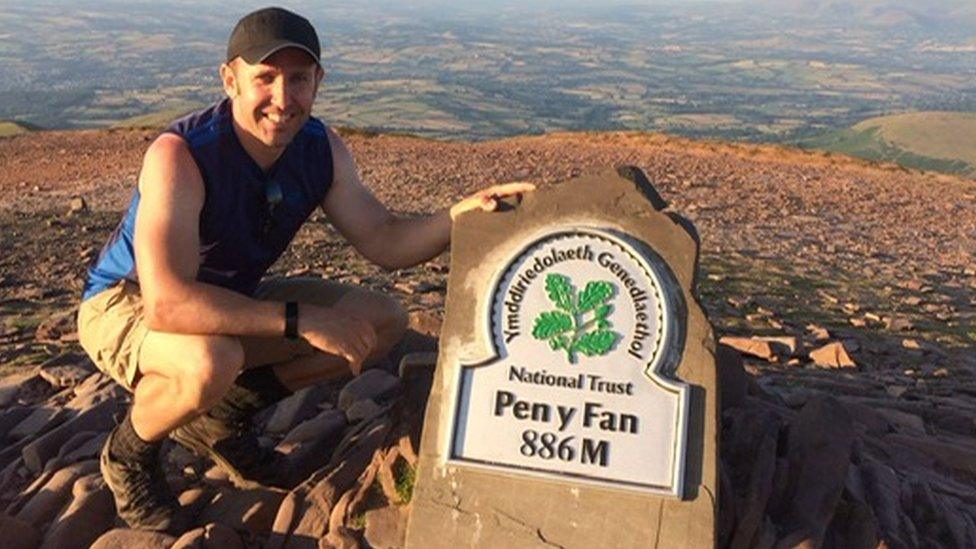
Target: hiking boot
234 447
143 498
225 432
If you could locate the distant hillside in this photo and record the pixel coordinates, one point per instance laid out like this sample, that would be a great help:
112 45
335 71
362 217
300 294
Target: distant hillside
157 119
937 141
9 127
884 13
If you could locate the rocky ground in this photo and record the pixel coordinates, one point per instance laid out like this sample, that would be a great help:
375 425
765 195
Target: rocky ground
848 290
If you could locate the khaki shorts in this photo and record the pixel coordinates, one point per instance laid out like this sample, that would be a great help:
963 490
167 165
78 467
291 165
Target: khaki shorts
112 325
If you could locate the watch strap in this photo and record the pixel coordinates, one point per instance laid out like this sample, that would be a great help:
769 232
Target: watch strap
291 320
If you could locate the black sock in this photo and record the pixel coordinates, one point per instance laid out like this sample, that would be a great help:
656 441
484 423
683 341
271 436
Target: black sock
255 389
128 445
263 382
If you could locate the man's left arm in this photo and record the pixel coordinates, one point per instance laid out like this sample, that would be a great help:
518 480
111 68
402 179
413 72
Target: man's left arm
389 240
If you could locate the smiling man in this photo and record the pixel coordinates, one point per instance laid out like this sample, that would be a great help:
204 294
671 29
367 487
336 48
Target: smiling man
175 308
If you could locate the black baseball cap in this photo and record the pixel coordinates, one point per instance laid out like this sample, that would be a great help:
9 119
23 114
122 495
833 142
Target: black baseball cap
263 32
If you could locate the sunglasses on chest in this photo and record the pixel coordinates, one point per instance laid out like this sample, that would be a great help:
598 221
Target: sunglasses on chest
272 198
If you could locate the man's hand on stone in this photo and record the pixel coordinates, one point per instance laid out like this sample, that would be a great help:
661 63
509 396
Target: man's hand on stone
487 199
339 333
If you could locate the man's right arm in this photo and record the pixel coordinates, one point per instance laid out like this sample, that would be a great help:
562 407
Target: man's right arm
167 258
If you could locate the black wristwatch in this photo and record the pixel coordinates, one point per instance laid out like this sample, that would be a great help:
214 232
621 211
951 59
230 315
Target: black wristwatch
291 320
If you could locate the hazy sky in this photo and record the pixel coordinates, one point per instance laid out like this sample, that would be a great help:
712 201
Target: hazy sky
926 8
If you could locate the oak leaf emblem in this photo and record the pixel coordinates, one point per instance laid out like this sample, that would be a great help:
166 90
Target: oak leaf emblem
580 322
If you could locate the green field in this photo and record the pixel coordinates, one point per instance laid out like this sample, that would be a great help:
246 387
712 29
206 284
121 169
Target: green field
935 141
158 119
8 128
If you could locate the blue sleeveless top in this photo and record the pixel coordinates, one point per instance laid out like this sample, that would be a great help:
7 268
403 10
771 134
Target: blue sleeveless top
239 238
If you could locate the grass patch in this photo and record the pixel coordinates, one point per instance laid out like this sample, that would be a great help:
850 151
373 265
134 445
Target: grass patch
358 521
10 368
9 128
405 476
870 140
159 119
24 322
32 358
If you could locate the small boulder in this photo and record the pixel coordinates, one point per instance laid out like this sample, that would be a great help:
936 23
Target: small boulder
10 386
66 370
124 538
421 363
819 446
364 409
750 346
896 390
315 502
910 343
818 333
89 515
42 418
373 384
832 355
77 205
10 417
57 491
296 408
426 322
898 324
90 448
97 418
56 326
310 445
904 421
194 500
250 510
65 376
385 527
95 389
787 346
328 424
211 536
18 534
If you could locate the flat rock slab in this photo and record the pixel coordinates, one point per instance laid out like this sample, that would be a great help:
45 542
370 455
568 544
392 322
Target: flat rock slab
97 418
373 384
309 446
500 375
43 417
248 510
296 408
11 385
123 538
65 375
90 514
211 536
384 528
18 534
10 417
57 491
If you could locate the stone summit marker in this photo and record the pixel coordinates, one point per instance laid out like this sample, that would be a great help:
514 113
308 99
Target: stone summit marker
574 402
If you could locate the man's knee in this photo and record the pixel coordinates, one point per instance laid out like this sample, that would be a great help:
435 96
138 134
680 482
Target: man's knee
212 365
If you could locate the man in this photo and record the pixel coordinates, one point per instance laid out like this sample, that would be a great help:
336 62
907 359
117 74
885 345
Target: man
174 308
